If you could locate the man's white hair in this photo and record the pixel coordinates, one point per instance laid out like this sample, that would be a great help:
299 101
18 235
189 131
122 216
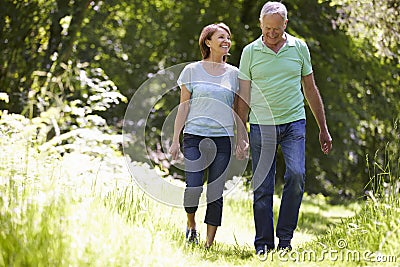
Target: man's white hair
270 8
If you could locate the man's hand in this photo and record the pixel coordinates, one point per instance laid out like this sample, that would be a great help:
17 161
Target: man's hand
325 140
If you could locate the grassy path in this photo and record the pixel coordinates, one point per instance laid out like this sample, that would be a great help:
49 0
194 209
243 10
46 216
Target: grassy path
234 238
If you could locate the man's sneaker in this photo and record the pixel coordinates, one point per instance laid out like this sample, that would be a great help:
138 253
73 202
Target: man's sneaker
263 250
287 248
260 251
191 236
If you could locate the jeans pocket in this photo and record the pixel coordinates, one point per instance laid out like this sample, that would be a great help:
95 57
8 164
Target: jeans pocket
191 140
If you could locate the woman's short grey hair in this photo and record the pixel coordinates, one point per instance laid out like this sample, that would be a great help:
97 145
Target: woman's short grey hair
270 8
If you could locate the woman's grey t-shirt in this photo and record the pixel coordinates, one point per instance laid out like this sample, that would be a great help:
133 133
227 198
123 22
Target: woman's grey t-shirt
211 101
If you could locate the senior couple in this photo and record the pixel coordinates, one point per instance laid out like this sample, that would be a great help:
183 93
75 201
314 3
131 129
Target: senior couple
267 91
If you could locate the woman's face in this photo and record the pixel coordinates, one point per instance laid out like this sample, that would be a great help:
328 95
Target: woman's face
220 42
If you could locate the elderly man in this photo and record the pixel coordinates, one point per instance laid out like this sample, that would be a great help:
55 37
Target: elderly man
273 71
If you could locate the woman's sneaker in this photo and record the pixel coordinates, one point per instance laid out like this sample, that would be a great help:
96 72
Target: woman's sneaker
191 236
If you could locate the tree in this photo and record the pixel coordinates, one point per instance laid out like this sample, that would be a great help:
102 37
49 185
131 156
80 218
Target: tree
42 75
69 61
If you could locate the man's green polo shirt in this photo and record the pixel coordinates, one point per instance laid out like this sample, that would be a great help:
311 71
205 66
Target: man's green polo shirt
276 95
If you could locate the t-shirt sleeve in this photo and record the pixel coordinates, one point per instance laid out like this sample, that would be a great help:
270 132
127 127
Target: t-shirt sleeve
307 66
185 78
244 65
235 81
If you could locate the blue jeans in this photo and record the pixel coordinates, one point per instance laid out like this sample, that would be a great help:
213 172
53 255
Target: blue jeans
264 141
201 154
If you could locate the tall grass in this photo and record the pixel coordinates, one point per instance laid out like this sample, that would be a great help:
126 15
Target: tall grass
372 236
76 209
32 214
81 209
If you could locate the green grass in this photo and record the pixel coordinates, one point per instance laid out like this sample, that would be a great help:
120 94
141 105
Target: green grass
84 210
372 235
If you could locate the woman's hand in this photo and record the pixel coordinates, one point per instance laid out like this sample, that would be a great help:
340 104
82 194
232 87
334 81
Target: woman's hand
175 150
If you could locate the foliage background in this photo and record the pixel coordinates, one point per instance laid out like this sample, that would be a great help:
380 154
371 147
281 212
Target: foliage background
75 64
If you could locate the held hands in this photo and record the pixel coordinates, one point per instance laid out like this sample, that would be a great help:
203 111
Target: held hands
242 148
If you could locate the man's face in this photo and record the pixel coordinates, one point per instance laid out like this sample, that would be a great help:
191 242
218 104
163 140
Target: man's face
272 27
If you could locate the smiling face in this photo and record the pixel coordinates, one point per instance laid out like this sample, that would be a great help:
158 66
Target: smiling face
219 43
215 41
273 26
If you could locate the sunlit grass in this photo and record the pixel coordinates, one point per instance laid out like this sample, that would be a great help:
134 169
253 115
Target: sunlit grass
82 210
76 211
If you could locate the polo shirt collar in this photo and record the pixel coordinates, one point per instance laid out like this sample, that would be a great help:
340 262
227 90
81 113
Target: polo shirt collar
259 45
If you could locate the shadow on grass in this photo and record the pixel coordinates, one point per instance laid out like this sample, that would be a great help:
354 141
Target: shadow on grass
233 254
316 224
218 252
317 215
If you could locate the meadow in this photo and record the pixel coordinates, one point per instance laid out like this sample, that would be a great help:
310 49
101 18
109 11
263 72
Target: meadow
80 206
